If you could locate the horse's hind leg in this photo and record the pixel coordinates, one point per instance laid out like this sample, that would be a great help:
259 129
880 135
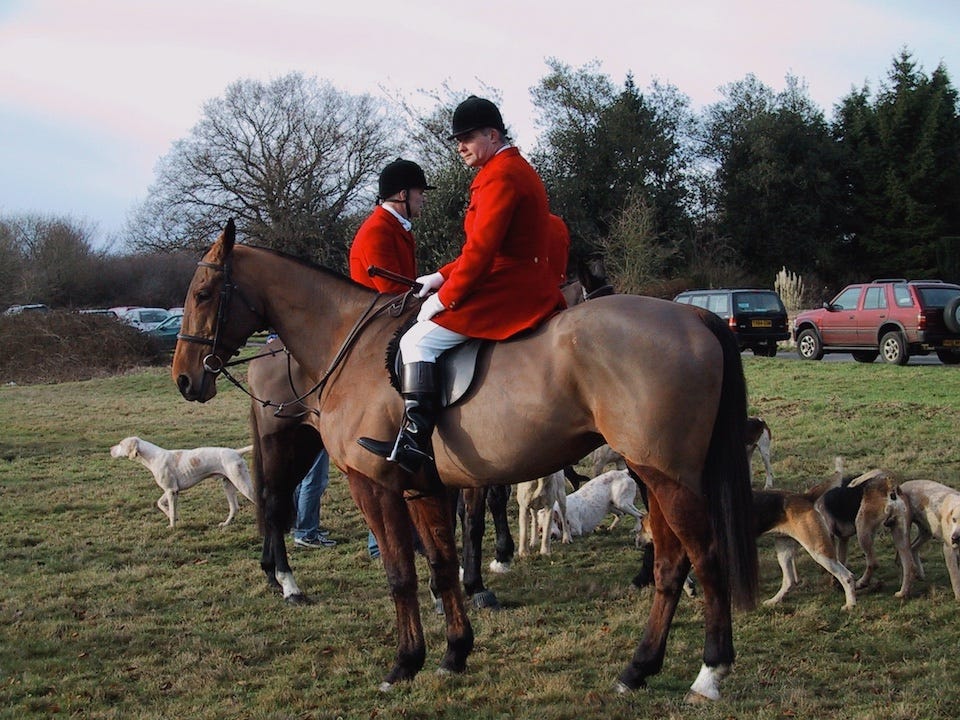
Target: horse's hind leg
687 515
435 523
670 568
385 513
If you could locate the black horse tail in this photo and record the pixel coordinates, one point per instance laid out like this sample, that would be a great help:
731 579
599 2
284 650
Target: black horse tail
726 476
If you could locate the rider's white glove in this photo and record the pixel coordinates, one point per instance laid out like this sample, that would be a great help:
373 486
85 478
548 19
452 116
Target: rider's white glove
431 306
431 283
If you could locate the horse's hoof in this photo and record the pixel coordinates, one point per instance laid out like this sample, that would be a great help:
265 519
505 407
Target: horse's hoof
443 672
486 600
695 698
385 687
498 567
621 688
298 599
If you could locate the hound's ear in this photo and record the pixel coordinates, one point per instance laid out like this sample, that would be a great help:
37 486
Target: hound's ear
134 450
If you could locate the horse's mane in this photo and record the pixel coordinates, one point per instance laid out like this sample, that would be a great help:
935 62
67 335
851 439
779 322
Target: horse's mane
307 263
393 350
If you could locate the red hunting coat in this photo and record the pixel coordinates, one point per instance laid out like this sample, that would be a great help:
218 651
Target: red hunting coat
383 242
502 282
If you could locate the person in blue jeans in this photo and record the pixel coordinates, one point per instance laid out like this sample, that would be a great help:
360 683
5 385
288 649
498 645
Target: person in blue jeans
307 532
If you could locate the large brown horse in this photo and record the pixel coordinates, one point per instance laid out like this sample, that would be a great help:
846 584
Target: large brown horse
668 392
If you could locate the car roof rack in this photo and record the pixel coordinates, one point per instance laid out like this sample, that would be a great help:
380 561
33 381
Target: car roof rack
889 280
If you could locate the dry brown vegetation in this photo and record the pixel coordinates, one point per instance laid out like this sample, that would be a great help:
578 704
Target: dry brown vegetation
63 346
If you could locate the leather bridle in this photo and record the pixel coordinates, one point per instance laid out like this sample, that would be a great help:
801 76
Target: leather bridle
213 365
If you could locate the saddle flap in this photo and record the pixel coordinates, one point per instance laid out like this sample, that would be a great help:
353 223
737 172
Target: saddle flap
455 370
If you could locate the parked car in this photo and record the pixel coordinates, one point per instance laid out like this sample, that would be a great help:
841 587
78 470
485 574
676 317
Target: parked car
31 307
756 316
143 318
893 318
166 332
101 311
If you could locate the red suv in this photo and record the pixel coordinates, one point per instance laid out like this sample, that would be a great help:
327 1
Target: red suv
891 318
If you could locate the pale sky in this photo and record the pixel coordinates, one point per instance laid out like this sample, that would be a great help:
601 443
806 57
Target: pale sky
93 92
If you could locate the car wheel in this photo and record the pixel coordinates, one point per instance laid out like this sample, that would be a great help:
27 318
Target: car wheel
809 346
951 315
893 349
948 357
865 356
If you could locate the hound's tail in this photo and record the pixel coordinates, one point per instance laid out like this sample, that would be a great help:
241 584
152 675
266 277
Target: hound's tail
245 449
726 476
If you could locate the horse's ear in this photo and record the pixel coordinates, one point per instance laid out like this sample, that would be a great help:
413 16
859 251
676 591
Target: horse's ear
224 244
229 235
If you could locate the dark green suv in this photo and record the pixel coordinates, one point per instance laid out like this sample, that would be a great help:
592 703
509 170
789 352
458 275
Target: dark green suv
757 317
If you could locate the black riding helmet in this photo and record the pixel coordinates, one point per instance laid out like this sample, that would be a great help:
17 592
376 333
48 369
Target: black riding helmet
475 113
401 175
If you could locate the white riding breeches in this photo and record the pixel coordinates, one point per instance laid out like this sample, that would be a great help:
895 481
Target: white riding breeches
425 341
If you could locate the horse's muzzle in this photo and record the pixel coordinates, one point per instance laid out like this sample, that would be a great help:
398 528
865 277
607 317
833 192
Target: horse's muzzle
193 392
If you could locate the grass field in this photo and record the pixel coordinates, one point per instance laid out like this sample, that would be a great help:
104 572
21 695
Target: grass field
107 613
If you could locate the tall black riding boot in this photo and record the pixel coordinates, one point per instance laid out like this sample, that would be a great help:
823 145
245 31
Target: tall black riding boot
412 447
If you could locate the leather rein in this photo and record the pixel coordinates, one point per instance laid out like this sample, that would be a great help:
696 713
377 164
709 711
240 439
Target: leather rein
394 305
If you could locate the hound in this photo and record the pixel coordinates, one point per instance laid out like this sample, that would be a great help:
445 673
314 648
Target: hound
543 494
793 519
612 492
935 510
758 438
862 506
176 470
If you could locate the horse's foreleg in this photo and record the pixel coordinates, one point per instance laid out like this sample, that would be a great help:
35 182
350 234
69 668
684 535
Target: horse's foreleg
497 498
385 513
474 525
670 569
435 524
275 509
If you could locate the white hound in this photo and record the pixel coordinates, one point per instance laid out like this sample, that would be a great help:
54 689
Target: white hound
542 494
176 470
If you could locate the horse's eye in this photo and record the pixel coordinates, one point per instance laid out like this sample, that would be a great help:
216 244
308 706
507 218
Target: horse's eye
203 295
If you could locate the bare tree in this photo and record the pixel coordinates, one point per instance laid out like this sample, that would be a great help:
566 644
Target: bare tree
51 259
287 159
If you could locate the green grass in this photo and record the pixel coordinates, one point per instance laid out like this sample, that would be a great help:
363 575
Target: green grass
107 613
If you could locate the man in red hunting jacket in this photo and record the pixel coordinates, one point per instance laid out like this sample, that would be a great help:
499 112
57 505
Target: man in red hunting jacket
385 238
502 283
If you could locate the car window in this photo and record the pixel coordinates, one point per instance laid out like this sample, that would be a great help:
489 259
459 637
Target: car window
847 300
719 304
937 296
758 302
152 316
875 299
901 295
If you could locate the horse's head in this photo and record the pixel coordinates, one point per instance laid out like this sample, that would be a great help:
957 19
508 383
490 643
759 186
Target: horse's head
217 320
592 274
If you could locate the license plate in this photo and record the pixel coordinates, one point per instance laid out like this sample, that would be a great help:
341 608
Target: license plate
761 323
951 343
